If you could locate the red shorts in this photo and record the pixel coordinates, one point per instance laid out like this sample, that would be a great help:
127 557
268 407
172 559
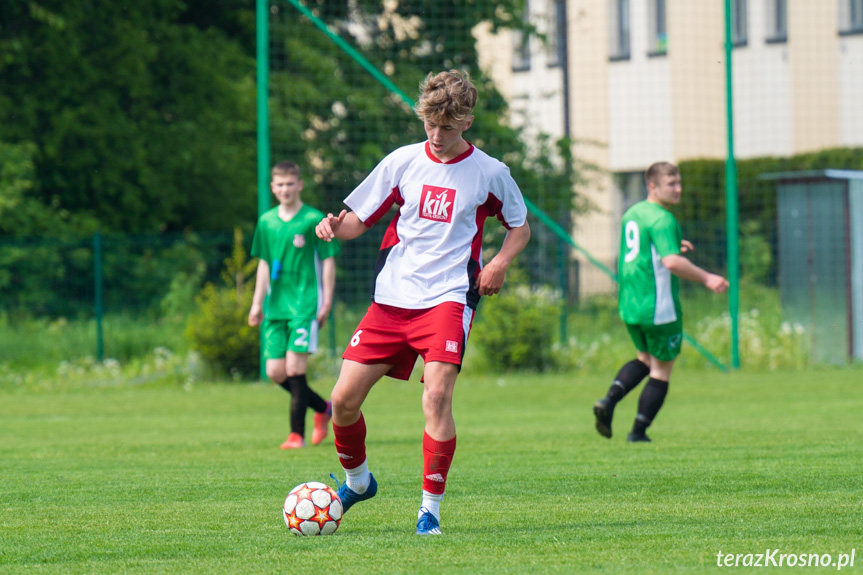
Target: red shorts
396 336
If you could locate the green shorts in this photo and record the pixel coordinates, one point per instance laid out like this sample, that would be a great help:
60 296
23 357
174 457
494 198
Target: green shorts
284 335
661 341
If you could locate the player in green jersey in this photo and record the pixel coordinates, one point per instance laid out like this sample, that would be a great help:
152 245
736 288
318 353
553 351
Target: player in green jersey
650 263
298 271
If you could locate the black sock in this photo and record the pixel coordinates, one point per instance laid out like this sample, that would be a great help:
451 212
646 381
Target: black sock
297 386
315 401
628 378
652 397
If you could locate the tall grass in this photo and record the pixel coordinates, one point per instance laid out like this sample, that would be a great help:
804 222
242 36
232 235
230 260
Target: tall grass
39 342
596 340
767 341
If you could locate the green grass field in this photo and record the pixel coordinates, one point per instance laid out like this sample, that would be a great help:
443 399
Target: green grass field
125 479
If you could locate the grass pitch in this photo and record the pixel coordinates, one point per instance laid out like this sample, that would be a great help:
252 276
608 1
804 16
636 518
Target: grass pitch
167 480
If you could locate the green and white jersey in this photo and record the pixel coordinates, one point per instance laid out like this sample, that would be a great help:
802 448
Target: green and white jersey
648 290
294 254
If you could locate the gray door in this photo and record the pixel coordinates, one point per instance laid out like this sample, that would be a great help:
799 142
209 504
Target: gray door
813 264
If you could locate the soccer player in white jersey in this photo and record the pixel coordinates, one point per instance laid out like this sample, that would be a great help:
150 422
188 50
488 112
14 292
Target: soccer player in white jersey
648 267
429 278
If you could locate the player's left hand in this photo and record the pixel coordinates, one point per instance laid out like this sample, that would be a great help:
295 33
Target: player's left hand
323 315
716 283
686 246
490 278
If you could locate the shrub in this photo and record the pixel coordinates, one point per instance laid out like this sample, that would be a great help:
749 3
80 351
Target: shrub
219 330
514 330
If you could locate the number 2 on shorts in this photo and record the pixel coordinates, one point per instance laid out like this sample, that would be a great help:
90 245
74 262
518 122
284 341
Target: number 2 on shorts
303 339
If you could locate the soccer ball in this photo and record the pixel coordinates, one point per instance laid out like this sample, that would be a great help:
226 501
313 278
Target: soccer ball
312 508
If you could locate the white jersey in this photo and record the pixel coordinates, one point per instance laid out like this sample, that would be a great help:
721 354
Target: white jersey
432 250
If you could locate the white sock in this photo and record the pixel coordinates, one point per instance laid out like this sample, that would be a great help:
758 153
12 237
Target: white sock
358 478
431 503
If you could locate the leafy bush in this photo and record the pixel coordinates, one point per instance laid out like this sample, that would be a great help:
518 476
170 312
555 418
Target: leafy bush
219 330
514 330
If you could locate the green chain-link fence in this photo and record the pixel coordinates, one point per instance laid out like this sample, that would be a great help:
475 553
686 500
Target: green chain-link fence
341 79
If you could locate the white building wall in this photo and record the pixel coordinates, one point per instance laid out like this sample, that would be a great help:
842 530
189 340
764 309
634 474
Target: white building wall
851 90
640 122
813 49
762 92
536 94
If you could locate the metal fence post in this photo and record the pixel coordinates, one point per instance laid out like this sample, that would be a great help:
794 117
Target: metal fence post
263 86
564 296
98 303
731 209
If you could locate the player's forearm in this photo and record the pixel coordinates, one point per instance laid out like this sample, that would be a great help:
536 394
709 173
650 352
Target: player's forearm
351 227
685 269
262 283
515 241
328 279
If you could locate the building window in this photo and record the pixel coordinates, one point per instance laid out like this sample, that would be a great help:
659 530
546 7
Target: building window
555 30
657 34
851 16
521 45
738 22
619 30
777 21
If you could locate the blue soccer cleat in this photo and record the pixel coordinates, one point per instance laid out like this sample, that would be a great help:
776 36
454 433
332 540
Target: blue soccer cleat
428 523
349 496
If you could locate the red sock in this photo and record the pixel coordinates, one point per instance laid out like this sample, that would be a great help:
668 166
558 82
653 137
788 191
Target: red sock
351 443
437 457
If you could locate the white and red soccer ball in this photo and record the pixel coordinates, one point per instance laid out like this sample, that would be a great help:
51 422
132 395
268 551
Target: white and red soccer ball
312 508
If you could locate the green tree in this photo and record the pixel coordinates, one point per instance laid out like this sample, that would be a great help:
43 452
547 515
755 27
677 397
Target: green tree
141 120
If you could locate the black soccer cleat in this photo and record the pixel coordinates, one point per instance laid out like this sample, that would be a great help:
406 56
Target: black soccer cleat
604 411
638 438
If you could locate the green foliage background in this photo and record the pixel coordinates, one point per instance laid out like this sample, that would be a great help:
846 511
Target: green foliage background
133 116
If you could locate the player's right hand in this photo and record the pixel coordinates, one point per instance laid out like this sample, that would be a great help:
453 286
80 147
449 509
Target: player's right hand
256 316
327 228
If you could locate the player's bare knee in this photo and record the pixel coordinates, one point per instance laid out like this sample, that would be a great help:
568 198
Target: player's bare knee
277 373
345 406
436 403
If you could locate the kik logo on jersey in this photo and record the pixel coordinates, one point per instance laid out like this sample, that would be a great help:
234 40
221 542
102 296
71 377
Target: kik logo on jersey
436 204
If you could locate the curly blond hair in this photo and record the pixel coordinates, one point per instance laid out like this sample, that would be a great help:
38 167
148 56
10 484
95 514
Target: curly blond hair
448 96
